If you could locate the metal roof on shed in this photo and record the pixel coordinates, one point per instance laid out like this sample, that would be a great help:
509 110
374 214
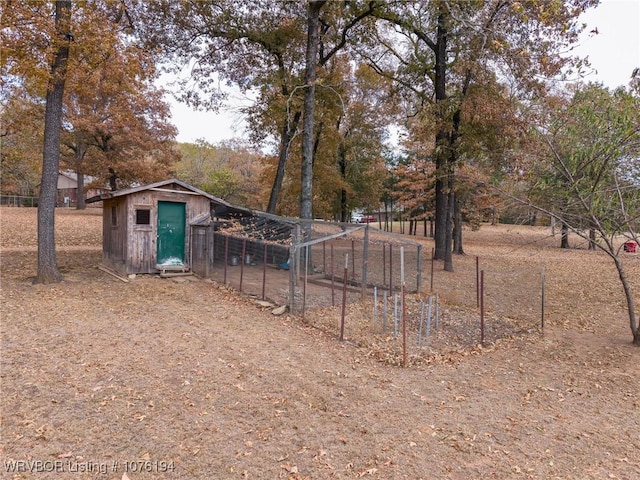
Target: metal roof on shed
158 186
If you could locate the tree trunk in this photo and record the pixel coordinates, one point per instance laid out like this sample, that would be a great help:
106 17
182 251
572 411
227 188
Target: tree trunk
442 137
342 163
288 129
386 216
454 204
80 152
592 238
47 267
457 228
448 254
80 205
564 241
313 42
633 319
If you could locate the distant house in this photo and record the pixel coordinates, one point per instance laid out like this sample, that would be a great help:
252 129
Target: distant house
145 229
67 194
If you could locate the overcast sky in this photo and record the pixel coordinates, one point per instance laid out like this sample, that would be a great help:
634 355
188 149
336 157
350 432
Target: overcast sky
613 52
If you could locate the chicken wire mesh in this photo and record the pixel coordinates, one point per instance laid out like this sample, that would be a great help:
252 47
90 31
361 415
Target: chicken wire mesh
347 261
316 264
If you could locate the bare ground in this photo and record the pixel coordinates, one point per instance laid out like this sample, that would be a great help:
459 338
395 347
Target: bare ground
102 379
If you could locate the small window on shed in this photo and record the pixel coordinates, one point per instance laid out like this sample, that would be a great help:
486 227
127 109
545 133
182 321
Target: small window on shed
143 216
114 217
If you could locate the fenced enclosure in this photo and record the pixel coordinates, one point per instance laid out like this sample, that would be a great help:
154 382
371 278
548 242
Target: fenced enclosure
18 201
317 264
423 327
350 261
346 280
252 265
403 331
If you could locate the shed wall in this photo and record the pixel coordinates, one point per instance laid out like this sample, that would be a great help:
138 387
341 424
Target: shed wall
141 241
131 247
114 233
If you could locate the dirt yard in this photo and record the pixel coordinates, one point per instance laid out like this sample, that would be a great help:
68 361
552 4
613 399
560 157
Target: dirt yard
164 379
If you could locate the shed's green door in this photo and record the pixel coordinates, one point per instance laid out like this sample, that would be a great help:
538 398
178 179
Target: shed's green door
171 233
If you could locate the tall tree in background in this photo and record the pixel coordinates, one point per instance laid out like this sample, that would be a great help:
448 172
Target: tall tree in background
352 113
118 121
448 46
311 60
228 170
21 137
115 117
491 150
51 52
341 21
366 110
259 50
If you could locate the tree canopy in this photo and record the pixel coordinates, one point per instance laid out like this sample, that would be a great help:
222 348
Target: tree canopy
230 171
78 60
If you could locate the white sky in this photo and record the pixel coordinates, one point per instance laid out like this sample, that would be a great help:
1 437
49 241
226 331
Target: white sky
214 128
614 52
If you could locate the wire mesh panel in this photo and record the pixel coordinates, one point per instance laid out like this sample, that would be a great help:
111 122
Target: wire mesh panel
317 264
18 201
199 250
347 279
252 260
346 261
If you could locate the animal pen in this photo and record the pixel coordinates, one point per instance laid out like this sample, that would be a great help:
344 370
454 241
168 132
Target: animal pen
317 264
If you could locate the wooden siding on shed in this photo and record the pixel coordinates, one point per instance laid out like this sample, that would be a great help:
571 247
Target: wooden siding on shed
141 241
132 248
114 233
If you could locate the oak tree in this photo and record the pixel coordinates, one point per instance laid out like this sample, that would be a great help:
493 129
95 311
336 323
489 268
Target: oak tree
21 136
61 52
447 47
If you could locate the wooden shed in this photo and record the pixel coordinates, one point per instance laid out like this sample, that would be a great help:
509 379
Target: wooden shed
145 229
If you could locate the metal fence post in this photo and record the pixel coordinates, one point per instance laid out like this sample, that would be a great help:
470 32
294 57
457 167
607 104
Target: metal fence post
419 267
365 261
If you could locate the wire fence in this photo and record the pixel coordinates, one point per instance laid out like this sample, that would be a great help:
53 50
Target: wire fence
305 267
350 261
486 300
347 280
512 289
18 201
463 313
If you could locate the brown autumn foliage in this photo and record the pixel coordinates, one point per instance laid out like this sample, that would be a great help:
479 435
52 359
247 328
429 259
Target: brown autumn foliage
114 116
